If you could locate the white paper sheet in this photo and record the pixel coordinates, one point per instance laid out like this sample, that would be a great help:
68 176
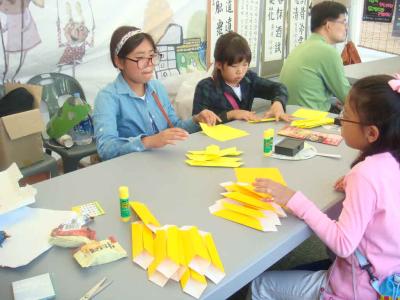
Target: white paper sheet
29 229
12 196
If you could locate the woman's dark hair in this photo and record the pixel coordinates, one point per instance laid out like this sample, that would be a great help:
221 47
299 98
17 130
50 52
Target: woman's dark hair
377 104
325 11
130 44
231 48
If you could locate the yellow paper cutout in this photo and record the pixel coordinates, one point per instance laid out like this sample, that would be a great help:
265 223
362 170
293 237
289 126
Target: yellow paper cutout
262 120
250 174
222 132
144 214
306 113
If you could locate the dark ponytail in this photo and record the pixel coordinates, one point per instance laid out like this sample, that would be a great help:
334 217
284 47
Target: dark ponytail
378 104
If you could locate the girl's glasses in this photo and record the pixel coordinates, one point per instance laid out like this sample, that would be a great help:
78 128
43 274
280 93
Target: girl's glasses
339 120
143 62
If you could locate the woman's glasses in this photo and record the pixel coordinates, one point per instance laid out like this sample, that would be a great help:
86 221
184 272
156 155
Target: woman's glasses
339 120
143 62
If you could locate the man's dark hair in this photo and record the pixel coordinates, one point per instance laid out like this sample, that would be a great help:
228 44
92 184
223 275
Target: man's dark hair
325 11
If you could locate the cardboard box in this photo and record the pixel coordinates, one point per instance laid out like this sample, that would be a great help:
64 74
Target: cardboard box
21 134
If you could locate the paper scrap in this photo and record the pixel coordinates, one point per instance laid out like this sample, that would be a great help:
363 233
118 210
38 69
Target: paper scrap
12 196
92 209
29 229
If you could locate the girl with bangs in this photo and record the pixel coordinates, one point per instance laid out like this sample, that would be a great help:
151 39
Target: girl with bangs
230 92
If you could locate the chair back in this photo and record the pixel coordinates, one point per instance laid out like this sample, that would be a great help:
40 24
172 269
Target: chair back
56 85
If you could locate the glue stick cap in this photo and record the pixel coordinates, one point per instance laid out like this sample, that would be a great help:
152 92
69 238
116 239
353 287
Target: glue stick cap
123 192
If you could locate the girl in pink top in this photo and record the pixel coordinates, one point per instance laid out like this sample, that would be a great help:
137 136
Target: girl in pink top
370 219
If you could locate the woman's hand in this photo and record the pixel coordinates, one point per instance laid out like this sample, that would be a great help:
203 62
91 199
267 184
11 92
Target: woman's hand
339 185
166 137
279 193
240 114
207 116
276 110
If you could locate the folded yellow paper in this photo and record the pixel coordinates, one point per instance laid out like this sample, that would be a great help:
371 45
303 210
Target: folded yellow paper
160 253
306 113
262 224
248 200
312 123
216 269
193 283
144 214
166 244
196 254
218 163
222 133
250 174
214 158
142 245
215 150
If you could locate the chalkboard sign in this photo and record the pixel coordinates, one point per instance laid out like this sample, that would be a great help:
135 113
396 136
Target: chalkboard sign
378 10
396 22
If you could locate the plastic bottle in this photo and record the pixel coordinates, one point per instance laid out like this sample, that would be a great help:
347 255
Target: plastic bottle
125 212
268 141
82 133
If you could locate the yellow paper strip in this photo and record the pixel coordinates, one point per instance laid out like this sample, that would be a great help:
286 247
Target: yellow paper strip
262 120
228 164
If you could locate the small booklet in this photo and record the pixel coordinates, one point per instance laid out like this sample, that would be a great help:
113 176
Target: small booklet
310 135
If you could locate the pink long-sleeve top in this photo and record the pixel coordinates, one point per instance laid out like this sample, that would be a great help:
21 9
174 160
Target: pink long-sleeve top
370 221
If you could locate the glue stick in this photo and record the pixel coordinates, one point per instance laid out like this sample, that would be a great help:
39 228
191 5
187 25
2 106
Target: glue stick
125 212
268 141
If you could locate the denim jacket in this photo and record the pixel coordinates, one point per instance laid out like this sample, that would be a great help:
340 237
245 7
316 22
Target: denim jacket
121 118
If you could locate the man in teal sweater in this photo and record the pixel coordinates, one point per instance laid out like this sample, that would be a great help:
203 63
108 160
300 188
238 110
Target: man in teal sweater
313 72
